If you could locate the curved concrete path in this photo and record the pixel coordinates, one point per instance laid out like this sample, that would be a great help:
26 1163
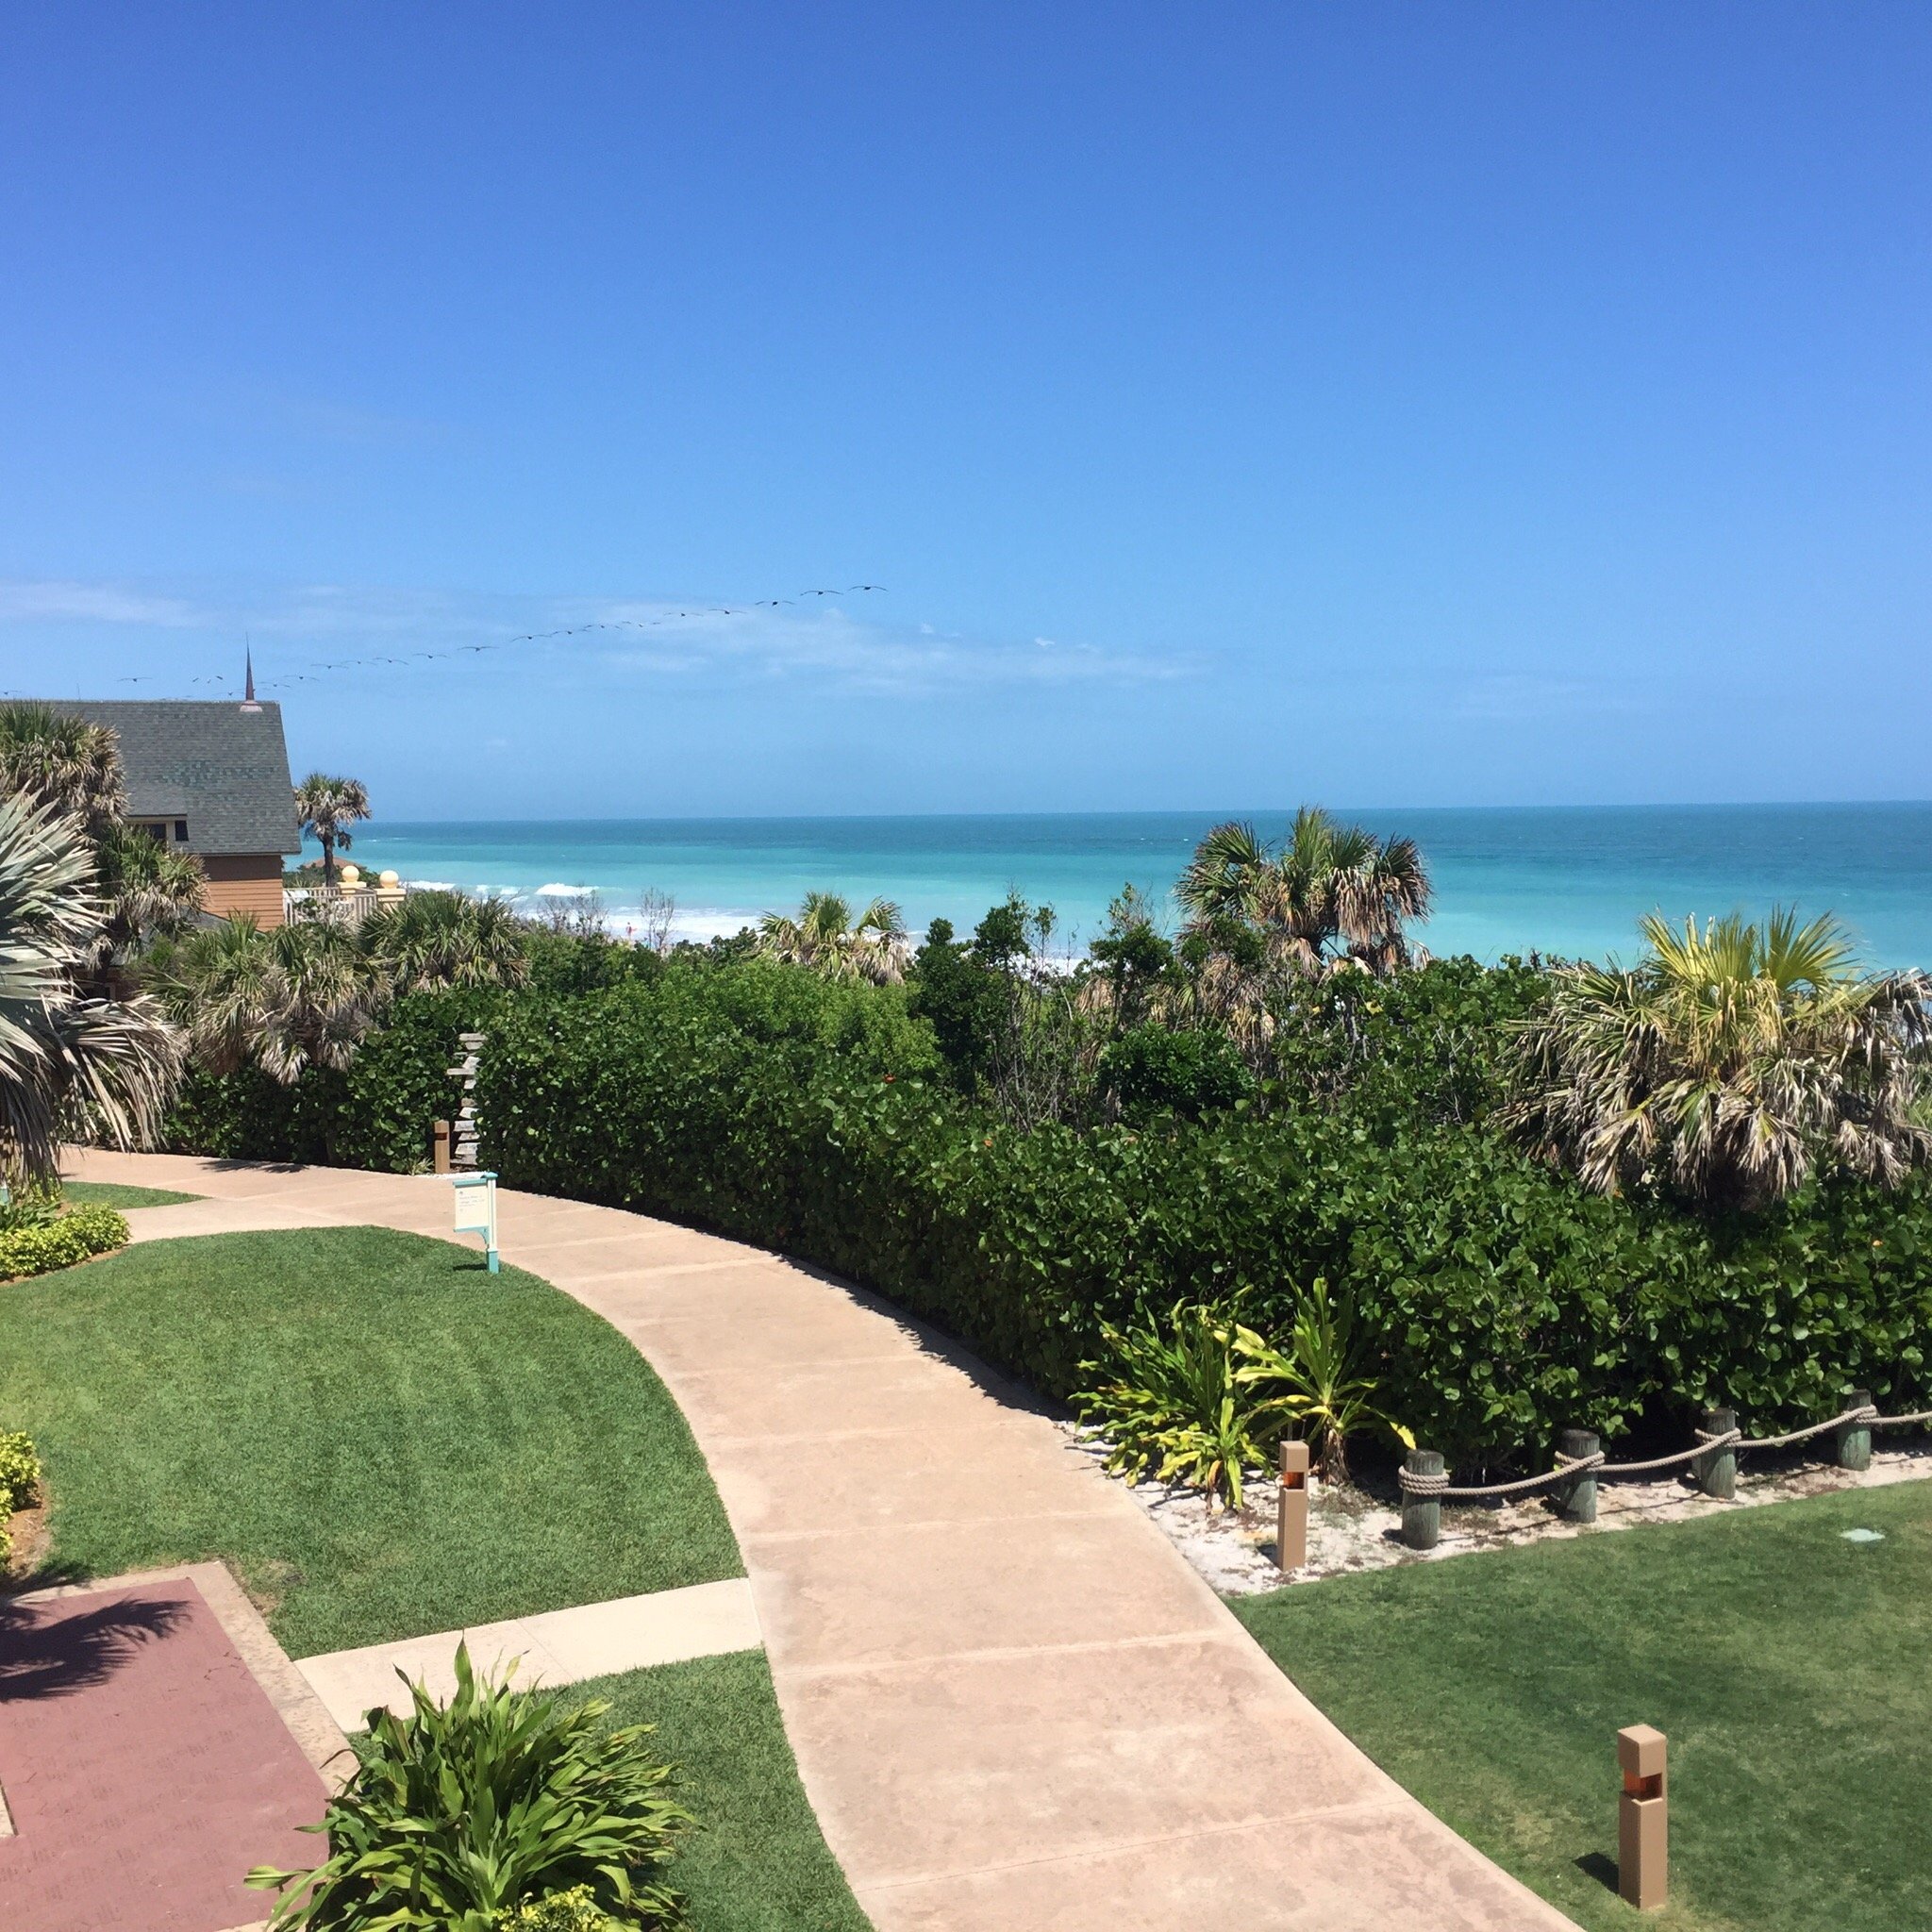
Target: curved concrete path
1013 1704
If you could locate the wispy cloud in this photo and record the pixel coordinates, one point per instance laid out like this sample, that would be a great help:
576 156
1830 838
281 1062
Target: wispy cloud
835 646
308 632
25 601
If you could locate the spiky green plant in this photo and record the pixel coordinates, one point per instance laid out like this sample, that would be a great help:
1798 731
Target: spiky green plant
1169 1399
1320 1381
71 1064
456 1816
284 999
1728 1064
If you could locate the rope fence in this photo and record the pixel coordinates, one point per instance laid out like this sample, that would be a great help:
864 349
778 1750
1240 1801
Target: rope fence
1580 1465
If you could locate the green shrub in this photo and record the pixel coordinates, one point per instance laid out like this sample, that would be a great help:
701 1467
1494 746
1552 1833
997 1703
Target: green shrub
40 1249
30 1204
379 1113
20 1471
456 1817
20 1481
1152 1070
1174 1402
1493 1302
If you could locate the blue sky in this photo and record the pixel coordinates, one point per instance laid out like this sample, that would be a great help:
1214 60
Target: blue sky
1395 404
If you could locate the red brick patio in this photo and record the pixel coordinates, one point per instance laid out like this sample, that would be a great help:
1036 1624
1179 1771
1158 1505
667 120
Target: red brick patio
145 1767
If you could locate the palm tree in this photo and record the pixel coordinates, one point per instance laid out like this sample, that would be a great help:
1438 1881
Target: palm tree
1327 883
327 807
285 999
445 939
69 1064
148 890
826 939
62 761
1728 1064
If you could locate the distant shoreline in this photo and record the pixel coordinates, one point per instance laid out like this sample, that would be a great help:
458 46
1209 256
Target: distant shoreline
1569 881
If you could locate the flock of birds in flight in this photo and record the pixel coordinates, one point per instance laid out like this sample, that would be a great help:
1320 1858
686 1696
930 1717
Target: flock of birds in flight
316 671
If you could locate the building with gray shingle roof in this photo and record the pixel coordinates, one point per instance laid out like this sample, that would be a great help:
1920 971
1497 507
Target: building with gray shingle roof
212 779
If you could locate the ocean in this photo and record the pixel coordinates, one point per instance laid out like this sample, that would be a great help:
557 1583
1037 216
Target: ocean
1570 881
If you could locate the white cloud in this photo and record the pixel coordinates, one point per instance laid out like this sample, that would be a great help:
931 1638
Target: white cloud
306 634
25 601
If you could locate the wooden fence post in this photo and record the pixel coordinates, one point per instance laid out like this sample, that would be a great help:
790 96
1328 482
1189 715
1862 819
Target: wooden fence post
1855 1439
1717 1469
1577 1496
1422 1516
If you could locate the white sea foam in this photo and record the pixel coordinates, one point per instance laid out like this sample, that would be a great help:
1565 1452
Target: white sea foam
557 892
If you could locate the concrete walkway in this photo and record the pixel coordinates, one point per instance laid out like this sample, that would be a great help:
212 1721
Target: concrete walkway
1013 1704
627 1633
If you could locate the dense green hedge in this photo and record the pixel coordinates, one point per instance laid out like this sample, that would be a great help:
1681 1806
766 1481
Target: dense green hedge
822 1120
60 1242
377 1114
1505 1303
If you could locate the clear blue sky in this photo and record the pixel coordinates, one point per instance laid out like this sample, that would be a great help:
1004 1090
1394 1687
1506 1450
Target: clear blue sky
1395 404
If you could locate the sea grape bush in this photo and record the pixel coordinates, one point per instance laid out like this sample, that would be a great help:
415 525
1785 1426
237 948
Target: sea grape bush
1495 1300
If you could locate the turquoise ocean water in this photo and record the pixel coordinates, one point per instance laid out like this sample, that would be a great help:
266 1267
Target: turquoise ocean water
1570 881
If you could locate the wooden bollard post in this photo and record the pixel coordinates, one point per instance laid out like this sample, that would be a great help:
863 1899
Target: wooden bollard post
440 1146
1855 1439
1717 1469
1292 1512
1422 1516
1643 1846
1577 1496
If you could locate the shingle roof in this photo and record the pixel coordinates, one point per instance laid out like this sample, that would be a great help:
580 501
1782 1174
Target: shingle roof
222 769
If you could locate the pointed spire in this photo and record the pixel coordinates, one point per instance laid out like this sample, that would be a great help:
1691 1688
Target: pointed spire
248 702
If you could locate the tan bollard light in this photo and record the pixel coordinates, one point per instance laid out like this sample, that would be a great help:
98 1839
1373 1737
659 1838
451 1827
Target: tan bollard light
1292 1514
1642 1819
440 1146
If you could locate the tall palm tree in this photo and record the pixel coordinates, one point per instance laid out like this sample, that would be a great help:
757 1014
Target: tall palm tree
826 937
327 807
285 999
1327 884
445 939
62 761
1729 1063
69 1064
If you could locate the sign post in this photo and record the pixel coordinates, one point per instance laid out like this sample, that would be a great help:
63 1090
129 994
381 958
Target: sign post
475 1201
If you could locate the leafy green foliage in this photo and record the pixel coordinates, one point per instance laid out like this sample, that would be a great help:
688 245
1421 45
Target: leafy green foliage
1176 1401
1153 1070
455 1816
20 1471
1321 1373
38 1250
1493 1301
20 1481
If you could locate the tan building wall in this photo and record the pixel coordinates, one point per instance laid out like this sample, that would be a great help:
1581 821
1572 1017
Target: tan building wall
247 882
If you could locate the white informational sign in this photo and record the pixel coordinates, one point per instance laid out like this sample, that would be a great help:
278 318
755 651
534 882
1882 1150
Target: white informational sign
475 1208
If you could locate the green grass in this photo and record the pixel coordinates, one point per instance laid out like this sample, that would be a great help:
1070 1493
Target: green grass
1787 1666
760 1863
383 1439
112 1194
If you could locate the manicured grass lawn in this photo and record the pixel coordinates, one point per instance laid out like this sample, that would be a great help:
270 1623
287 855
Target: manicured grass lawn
383 1439
112 1194
759 1864
1789 1668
